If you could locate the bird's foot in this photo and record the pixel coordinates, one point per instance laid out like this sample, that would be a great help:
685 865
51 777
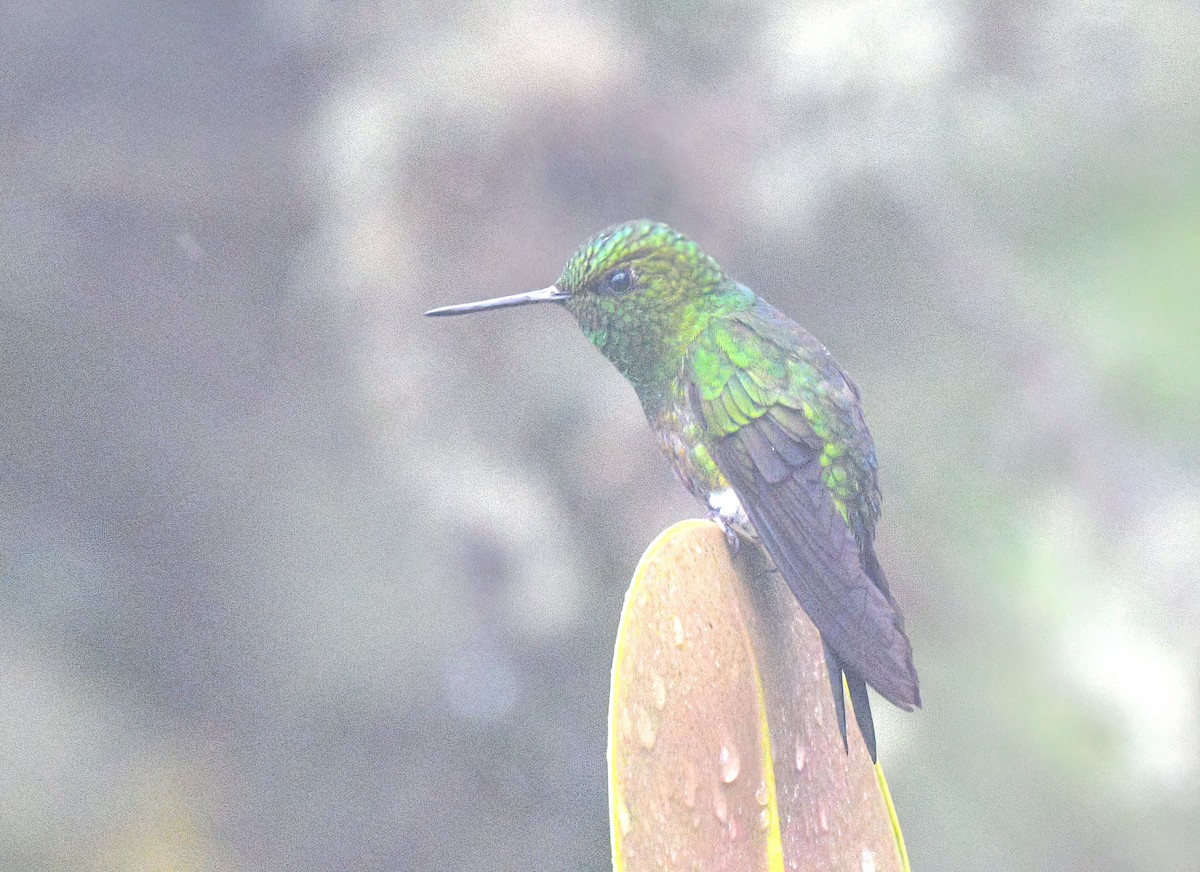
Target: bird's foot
728 528
725 508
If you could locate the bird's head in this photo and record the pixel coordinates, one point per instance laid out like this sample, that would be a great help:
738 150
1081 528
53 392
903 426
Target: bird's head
641 291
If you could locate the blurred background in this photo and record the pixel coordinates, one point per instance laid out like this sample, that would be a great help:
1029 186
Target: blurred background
292 578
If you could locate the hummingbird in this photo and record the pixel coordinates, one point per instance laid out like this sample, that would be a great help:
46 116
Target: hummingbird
760 424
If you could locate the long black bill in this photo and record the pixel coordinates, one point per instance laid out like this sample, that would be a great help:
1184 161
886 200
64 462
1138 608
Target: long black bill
546 295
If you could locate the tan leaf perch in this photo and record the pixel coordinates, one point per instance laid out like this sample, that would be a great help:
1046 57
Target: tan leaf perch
724 751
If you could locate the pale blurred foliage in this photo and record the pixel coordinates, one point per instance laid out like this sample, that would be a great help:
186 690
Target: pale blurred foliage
294 579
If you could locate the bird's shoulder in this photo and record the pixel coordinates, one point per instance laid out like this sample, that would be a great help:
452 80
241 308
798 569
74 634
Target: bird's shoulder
770 388
759 358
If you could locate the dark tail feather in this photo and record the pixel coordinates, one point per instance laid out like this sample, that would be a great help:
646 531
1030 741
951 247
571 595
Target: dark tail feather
911 697
862 712
858 698
835 685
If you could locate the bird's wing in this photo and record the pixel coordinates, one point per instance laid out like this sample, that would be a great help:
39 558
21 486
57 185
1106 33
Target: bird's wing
784 426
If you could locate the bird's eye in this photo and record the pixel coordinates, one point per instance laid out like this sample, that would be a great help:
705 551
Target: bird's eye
619 281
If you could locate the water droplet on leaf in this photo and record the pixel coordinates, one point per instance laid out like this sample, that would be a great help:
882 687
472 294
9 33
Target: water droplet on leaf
623 819
660 691
729 762
647 731
720 805
689 784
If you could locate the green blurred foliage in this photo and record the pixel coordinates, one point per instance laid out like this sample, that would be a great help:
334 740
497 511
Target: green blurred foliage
342 583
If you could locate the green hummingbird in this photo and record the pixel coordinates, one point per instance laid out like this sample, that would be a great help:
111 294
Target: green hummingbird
760 424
